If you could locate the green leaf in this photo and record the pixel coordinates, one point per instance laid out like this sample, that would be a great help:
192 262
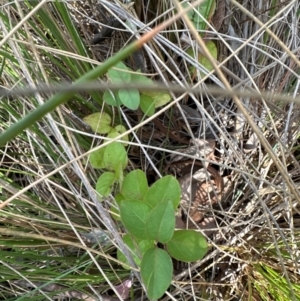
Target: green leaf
116 131
204 11
166 188
111 99
161 222
135 252
156 272
119 198
212 48
134 215
147 105
96 158
113 134
115 213
138 248
105 183
135 185
99 122
120 129
160 98
145 245
119 175
187 245
115 157
130 98
140 79
193 54
200 13
190 13
114 210
119 74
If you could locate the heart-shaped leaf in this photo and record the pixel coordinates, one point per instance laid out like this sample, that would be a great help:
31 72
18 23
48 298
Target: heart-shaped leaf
114 134
114 210
119 74
134 215
120 129
111 99
166 188
140 79
115 157
129 98
212 48
147 105
200 13
159 98
99 122
161 222
135 185
156 272
187 245
116 131
104 183
96 158
138 248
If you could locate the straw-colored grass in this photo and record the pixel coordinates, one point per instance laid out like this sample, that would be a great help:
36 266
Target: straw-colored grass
53 233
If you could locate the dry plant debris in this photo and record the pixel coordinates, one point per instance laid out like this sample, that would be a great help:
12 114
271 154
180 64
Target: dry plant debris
232 190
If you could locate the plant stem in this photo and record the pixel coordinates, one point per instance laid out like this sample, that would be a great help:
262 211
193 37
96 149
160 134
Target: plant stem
61 98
